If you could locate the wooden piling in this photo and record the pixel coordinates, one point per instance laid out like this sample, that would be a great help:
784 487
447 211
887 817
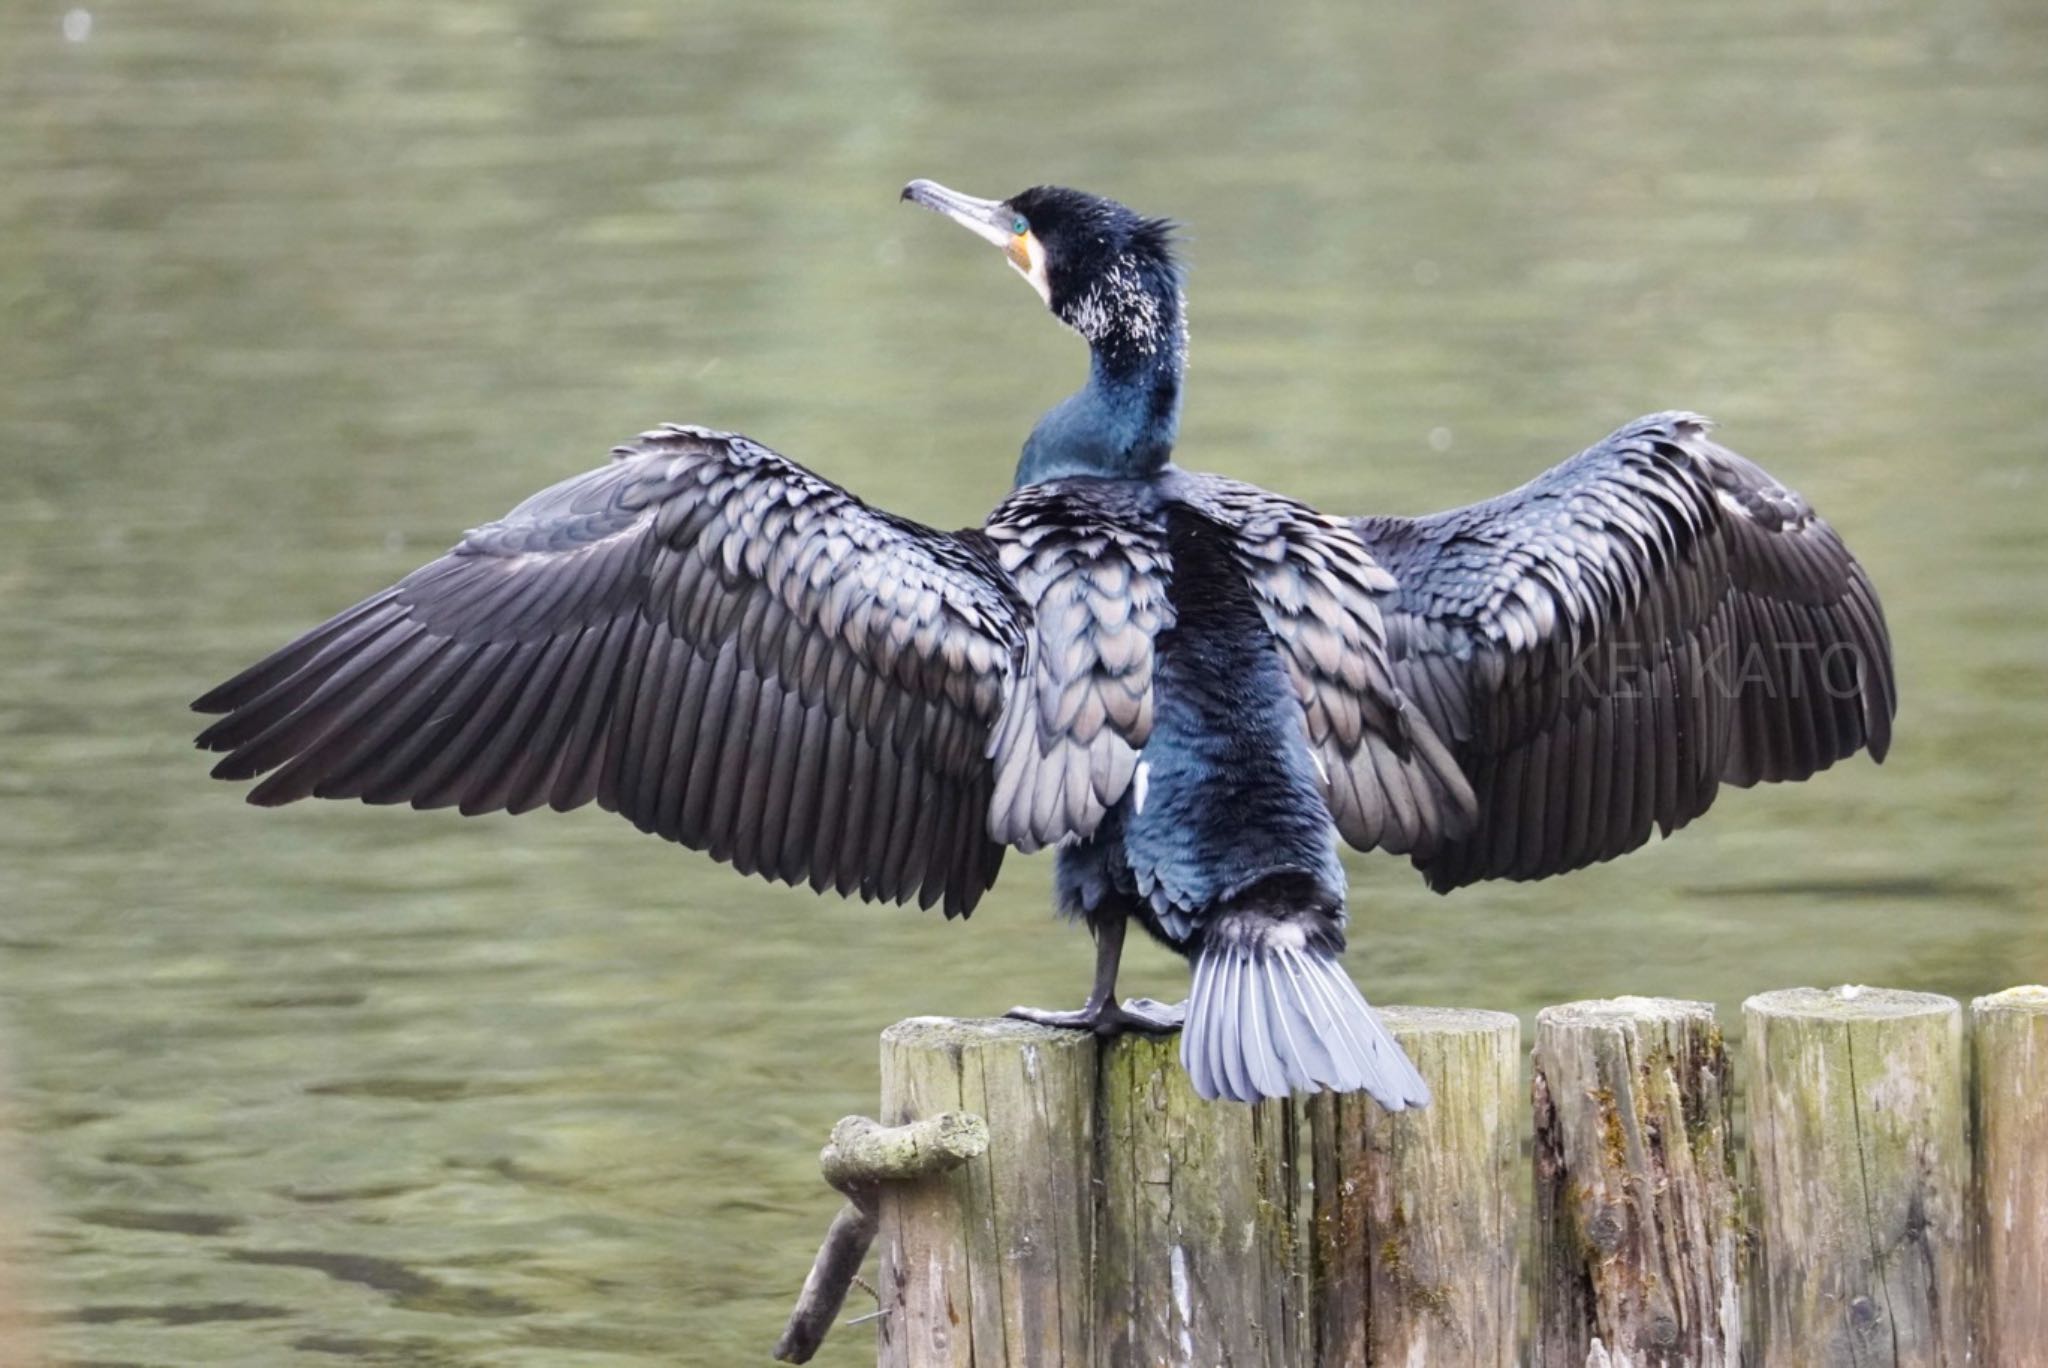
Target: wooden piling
2009 1039
1201 1227
1117 1219
988 1264
1416 1214
1638 1242
1861 1177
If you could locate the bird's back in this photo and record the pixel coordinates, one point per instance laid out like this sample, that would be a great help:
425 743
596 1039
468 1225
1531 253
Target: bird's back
1226 795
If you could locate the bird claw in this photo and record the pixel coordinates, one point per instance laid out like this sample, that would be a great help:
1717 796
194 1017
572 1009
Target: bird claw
1083 1019
1108 1019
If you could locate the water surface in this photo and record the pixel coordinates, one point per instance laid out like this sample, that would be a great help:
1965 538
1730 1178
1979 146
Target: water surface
291 293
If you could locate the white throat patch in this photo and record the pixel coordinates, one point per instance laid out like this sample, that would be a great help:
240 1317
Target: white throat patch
1120 297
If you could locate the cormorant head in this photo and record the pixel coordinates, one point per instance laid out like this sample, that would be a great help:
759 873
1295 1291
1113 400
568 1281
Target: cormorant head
1104 271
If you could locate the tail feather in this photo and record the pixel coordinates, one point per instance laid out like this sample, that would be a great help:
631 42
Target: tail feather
1238 996
1267 1020
1262 1046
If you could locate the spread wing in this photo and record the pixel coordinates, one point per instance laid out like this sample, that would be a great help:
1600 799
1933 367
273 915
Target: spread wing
1390 781
1609 644
704 637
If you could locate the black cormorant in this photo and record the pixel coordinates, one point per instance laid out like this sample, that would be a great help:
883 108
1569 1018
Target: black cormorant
1190 686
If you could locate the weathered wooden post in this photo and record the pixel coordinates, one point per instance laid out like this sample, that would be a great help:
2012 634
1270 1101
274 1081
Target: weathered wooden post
1638 1238
1861 1179
1416 1214
987 1264
1116 1219
2010 1045
1200 1230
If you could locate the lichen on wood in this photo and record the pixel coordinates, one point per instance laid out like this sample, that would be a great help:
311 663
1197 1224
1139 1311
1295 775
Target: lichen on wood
1417 1213
2009 1039
864 1152
1638 1241
1860 1177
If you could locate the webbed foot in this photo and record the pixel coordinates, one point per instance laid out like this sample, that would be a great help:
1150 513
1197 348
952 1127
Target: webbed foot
1159 1018
1083 1019
1108 1019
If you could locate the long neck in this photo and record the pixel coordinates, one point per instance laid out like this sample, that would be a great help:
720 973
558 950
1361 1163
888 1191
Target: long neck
1123 422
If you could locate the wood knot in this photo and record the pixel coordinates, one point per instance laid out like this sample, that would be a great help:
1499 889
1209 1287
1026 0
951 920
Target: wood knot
1604 1231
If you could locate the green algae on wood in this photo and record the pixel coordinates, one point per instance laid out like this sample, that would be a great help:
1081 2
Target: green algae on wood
1201 1227
1416 1214
1860 1175
1637 1242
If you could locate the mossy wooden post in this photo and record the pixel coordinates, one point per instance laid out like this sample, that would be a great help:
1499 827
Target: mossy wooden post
983 1265
1638 1239
2009 1039
1115 1219
1118 1220
1861 1177
1416 1214
1201 1230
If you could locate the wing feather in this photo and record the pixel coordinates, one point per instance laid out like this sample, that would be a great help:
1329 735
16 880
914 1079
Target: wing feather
1608 645
703 636
1390 780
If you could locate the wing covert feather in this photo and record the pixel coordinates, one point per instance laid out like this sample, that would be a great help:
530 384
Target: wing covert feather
1390 781
1092 566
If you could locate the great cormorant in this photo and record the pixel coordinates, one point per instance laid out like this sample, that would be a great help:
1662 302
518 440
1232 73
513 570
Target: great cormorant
1188 685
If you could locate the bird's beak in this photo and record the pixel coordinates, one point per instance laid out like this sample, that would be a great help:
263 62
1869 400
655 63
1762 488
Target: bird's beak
986 219
992 221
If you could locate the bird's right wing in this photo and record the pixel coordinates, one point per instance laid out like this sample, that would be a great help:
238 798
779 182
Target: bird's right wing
704 637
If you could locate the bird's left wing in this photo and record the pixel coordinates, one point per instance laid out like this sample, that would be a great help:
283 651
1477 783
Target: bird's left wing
1609 644
702 636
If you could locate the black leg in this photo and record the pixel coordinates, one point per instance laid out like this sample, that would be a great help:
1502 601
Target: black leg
1100 1013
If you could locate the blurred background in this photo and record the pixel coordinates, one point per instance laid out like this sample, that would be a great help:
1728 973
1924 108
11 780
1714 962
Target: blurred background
291 293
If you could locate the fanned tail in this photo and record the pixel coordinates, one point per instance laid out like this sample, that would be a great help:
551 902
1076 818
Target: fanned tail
1275 1014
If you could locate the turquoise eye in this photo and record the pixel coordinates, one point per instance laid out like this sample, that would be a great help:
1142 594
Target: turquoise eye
1019 226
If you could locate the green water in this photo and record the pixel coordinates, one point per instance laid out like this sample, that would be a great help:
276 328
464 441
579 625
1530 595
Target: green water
292 293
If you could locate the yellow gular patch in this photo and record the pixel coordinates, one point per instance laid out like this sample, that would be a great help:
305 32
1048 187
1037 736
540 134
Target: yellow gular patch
1027 254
